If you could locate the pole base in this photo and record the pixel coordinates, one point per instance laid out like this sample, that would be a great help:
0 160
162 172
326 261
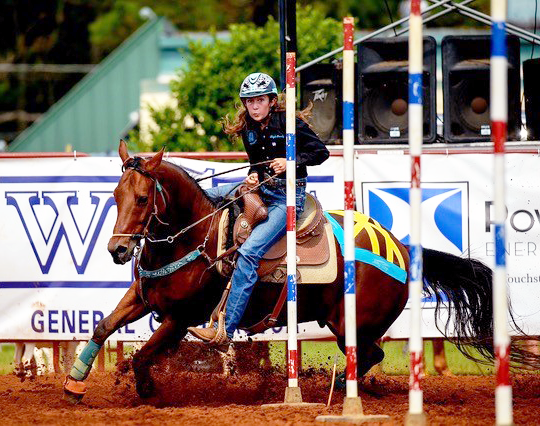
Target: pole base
293 398
353 413
416 419
357 420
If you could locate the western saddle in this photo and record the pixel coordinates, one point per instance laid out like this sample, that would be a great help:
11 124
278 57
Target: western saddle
312 244
315 252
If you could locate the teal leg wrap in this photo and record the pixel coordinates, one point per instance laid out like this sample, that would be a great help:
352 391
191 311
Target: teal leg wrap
83 364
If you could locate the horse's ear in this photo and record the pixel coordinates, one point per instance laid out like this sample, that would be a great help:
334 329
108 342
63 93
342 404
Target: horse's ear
123 151
155 161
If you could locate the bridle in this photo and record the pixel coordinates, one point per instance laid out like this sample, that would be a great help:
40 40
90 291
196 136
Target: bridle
134 164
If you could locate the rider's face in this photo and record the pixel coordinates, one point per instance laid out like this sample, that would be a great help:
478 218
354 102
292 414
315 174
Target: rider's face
259 107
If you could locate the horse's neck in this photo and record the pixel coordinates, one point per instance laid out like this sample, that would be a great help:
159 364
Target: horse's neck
188 204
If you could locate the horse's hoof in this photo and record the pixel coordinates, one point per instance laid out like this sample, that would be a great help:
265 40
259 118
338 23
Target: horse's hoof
145 390
74 390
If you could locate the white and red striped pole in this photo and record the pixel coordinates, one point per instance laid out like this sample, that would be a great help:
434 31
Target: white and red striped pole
348 221
499 116
352 405
415 414
290 128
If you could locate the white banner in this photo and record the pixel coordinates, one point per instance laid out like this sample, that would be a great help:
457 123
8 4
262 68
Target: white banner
57 279
457 217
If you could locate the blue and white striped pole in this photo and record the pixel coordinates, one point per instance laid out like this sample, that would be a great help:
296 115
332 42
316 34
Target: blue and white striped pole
352 405
415 415
499 117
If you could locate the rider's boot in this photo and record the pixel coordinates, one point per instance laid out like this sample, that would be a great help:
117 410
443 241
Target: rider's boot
216 336
205 334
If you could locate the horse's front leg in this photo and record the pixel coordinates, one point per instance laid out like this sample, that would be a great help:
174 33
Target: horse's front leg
170 332
128 310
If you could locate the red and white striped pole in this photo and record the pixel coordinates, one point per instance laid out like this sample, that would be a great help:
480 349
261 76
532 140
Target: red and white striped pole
348 220
290 128
499 116
352 405
415 414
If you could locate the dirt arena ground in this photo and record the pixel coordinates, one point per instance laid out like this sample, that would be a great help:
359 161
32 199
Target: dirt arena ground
204 398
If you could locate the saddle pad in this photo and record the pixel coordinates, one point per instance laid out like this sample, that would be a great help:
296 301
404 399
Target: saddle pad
372 256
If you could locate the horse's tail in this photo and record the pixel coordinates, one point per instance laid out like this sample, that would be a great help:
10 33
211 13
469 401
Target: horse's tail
464 286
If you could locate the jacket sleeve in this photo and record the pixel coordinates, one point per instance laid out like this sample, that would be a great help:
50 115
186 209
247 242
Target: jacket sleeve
310 151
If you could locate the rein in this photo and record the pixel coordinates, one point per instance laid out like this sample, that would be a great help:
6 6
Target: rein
191 256
233 170
170 239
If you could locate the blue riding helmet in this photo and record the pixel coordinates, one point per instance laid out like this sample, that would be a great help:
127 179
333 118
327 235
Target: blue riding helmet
257 84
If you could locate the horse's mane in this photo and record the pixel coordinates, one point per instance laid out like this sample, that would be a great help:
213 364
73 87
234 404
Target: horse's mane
189 178
137 163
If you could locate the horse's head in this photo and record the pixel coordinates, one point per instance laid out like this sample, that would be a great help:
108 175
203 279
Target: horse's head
137 203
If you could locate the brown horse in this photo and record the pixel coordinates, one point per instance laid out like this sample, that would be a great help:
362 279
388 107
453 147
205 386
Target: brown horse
159 202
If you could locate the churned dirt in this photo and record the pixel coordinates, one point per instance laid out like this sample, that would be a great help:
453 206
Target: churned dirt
193 392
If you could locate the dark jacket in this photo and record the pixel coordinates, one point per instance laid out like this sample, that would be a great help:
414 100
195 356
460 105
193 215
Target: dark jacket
270 142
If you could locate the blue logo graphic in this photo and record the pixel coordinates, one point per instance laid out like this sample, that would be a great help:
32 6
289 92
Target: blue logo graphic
47 228
72 216
251 137
444 212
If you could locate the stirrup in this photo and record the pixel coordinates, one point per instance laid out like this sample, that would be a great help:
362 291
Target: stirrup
221 334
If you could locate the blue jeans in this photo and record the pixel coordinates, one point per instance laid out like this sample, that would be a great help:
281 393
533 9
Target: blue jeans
218 193
263 236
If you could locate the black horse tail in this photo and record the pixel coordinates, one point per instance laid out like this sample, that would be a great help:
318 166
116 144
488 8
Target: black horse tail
464 287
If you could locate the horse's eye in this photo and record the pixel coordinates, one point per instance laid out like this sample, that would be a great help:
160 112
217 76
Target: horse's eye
141 201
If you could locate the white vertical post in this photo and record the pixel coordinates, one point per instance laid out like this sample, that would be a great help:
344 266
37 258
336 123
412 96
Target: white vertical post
348 221
499 117
415 270
352 405
291 219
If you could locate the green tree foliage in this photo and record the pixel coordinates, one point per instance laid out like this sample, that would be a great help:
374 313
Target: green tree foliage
207 89
113 26
370 14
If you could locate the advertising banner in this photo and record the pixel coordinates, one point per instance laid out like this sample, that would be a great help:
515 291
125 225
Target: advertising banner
57 279
457 217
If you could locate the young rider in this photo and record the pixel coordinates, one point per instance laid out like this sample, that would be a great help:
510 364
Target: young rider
260 122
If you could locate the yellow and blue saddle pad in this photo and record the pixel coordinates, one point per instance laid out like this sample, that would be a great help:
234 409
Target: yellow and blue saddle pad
371 257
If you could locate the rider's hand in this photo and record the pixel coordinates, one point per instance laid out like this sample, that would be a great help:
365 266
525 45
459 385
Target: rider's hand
279 165
252 180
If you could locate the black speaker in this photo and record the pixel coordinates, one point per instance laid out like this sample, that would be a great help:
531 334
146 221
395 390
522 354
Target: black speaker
321 84
531 87
466 79
383 90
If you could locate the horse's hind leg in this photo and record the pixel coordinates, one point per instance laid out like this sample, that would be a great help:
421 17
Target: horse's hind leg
368 353
128 310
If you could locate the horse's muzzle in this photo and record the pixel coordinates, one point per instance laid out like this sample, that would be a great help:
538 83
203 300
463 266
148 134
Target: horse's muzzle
120 253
